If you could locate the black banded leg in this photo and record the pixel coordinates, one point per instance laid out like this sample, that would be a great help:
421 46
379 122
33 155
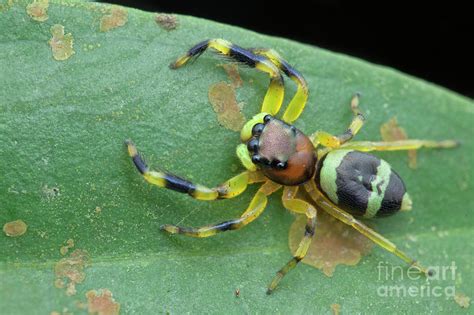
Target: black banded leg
331 141
274 97
256 207
297 104
324 203
228 189
299 206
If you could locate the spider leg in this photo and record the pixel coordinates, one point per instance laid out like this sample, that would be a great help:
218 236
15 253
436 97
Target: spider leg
256 207
244 156
297 104
274 97
348 219
228 189
299 206
411 144
331 141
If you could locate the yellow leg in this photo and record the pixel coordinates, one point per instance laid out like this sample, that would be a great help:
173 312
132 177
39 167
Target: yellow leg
256 207
274 97
331 141
348 219
299 206
411 144
246 132
244 156
297 104
257 177
229 189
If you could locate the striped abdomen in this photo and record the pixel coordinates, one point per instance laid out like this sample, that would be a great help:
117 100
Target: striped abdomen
361 184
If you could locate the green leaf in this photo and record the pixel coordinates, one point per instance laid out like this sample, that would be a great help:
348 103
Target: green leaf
65 173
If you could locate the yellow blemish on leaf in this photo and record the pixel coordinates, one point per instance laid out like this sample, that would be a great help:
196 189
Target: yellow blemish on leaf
6 6
64 249
59 283
15 228
223 99
166 21
233 73
89 47
334 243
117 17
50 193
462 300
102 302
61 44
391 131
65 311
81 305
336 309
70 271
38 10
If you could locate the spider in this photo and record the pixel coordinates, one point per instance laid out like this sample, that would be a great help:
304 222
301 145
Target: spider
336 173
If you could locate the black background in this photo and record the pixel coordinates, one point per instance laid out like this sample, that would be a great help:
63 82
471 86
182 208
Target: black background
432 41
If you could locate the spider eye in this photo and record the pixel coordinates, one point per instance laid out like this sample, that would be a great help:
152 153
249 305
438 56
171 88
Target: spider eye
267 118
256 159
293 129
252 145
279 165
257 129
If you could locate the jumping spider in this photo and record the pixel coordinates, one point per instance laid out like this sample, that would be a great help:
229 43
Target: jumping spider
336 173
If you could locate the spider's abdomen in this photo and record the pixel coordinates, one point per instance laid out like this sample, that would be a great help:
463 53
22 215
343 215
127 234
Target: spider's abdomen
361 184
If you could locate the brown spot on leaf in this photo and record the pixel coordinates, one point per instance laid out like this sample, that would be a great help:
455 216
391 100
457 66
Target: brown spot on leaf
336 308
462 300
70 270
166 21
38 10
117 17
233 72
334 243
391 131
102 302
15 228
223 99
61 44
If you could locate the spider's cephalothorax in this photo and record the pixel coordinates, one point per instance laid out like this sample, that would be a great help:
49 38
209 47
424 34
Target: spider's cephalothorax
336 174
284 153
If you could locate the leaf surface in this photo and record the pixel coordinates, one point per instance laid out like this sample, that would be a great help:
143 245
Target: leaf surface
65 173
